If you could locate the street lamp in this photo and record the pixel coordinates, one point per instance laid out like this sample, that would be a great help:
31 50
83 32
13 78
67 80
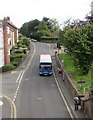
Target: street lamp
62 51
63 68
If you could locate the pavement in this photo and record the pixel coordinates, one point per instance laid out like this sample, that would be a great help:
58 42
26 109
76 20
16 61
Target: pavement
69 99
77 114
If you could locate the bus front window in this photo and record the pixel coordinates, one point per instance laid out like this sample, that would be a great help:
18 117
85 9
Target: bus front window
46 67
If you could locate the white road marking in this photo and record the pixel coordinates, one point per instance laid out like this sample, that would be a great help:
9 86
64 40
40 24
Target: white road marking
18 85
22 73
18 76
62 96
39 98
1 103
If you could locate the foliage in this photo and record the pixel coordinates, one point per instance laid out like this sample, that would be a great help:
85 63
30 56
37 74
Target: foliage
79 43
29 27
35 28
49 38
44 29
8 67
74 73
15 56
52 24
19 51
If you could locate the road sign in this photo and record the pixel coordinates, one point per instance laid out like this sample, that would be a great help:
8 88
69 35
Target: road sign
81 82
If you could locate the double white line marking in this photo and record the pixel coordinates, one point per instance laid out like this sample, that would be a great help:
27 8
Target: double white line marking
19 79
19 76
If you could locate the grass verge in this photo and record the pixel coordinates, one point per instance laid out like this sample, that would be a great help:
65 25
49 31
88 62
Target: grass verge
74 73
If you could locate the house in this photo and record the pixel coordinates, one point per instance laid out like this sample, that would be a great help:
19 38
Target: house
9 37
13 31
1 45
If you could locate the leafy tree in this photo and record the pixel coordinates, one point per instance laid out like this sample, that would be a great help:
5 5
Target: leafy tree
29 27
52 24
44 29
24 29
80 44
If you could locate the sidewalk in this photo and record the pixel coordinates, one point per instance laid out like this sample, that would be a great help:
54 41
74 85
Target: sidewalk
77 114
9 80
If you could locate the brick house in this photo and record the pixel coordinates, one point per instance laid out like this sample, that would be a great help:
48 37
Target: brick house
9 35
1 45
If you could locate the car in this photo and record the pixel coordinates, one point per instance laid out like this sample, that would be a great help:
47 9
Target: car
33 40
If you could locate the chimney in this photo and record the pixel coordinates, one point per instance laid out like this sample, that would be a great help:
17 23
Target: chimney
7 19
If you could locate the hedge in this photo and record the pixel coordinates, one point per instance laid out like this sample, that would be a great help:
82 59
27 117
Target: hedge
8 67
49 38
14 56
18 51
16 59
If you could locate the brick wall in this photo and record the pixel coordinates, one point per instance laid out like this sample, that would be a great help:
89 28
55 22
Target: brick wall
15 32
6 47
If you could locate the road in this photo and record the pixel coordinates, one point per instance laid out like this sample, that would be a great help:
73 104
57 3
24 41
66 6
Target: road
38 96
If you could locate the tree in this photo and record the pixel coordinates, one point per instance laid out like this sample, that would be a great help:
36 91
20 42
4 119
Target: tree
79 43
52 24
24 29
29 27
44 29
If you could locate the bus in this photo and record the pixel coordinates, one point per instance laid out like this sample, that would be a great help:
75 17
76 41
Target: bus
45 64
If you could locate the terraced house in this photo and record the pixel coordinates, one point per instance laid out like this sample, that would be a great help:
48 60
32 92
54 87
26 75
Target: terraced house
8 39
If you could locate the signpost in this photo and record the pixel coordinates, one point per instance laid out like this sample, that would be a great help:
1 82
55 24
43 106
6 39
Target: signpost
81 82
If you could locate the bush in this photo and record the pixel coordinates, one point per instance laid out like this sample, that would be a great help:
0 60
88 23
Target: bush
8 67
16 59
49 38
28 47
15 56
18 51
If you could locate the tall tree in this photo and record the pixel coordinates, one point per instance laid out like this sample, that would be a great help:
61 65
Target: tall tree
44 29
80 44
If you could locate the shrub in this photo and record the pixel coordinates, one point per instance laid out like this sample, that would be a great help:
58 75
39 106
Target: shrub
49 38
16 59
28 47
8 67
18 51
15 56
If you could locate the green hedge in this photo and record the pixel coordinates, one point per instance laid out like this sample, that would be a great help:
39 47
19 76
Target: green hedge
49 38
18 51
8 67
16 60
15 56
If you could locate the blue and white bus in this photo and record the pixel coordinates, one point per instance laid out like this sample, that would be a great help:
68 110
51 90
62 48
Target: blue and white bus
45 65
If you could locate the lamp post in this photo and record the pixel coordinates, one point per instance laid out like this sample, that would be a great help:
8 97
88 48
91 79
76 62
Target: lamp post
62 51
92 93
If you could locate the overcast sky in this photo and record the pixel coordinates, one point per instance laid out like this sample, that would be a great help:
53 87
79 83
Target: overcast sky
21 11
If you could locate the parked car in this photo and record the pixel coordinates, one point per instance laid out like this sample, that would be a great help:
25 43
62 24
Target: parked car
33 40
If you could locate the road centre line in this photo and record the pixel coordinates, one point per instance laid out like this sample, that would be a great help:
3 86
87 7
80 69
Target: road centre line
18 76
22 73
62 96
18 85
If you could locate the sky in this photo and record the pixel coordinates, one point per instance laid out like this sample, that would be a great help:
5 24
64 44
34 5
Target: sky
21 11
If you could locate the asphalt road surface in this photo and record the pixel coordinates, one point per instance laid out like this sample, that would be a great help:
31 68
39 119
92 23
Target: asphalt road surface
38 96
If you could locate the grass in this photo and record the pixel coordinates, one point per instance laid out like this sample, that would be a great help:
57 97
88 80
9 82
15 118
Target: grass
74 73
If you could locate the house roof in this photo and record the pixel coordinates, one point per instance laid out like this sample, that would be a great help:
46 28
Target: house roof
6 21
10 23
